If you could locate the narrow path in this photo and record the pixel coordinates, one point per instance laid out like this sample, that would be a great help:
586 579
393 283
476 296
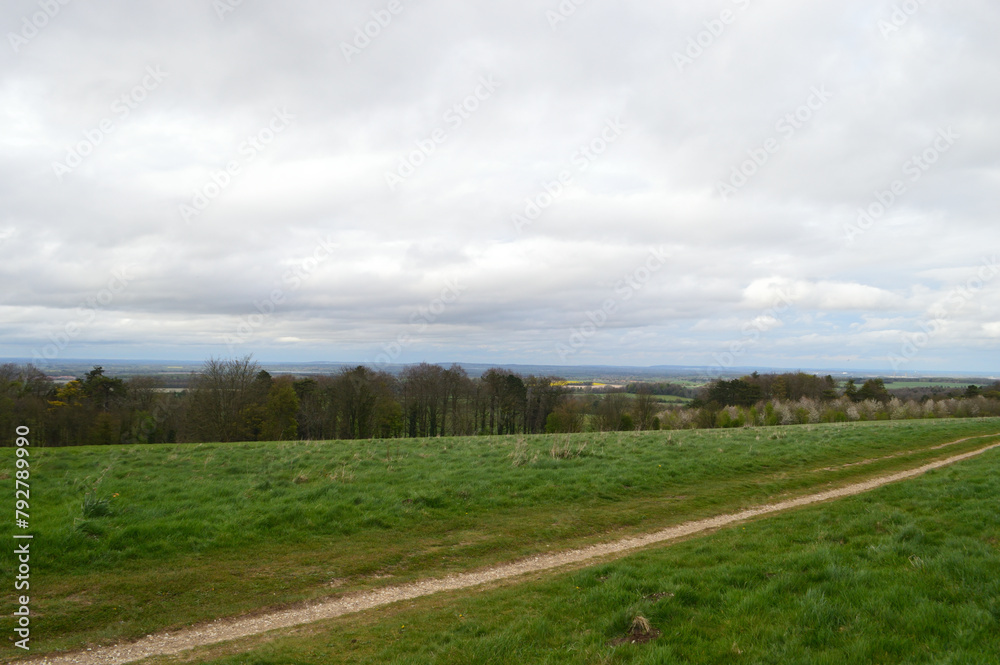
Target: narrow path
903 453
230 629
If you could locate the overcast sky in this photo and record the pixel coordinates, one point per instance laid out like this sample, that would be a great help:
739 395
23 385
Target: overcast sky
633 183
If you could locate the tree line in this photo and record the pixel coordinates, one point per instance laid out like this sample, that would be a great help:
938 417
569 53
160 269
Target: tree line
757 387
237 400
799 398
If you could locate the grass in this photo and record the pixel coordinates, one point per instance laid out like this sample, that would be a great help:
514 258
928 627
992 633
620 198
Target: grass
909 573
132 540
895 385
673 399
665 399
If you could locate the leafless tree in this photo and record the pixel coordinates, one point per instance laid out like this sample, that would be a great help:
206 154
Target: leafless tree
221 401
644 408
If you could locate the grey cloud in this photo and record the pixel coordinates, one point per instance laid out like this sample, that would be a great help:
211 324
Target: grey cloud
686 130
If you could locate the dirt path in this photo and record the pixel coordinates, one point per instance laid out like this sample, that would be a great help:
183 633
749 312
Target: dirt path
230 629
902 453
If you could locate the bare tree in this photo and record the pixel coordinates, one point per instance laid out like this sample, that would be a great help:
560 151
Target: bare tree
425 397
644 408
221 401
566 417
366 404
140 392
612 412
458 387
545 393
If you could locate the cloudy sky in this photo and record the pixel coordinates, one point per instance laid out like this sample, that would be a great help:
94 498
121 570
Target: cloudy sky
737 182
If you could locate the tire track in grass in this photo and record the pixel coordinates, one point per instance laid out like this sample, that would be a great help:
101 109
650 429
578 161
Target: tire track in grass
222 630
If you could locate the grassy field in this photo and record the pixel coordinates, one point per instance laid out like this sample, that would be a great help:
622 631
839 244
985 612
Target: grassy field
895 385
131 540
909 573
673 399
666 399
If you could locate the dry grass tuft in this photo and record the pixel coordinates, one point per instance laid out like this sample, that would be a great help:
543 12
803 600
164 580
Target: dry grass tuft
640 632
519 455
640 624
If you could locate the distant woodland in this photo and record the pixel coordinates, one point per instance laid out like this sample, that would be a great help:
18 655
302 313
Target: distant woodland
236 400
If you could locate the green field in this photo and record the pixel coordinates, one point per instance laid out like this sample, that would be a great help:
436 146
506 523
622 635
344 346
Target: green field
672 399
949 385
132 540
665 399
909 573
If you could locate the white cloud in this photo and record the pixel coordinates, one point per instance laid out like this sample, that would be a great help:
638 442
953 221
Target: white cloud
992 329
656 185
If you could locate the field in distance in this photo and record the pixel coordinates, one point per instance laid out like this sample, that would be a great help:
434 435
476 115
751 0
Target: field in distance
137 539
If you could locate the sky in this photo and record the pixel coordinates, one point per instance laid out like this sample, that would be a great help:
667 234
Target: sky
717 184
